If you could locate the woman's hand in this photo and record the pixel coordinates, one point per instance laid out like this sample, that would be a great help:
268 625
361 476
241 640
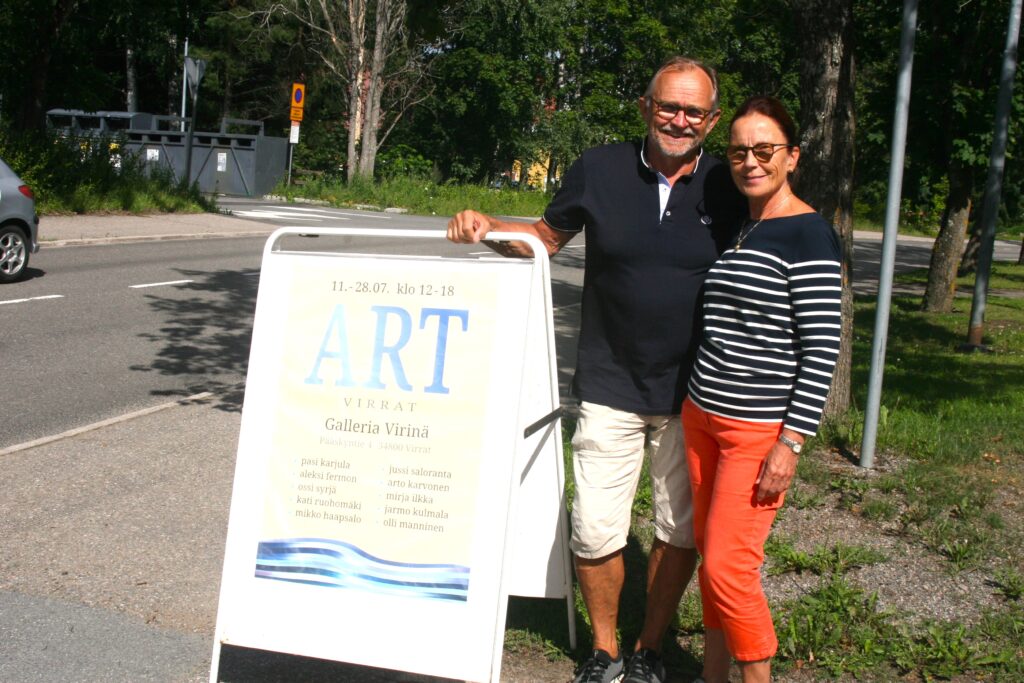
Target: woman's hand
778 469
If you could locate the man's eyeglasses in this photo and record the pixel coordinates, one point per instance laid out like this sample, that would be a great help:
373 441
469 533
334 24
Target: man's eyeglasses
763 151
669 111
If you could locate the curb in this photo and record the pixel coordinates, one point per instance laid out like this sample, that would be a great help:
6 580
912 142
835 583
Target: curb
110 239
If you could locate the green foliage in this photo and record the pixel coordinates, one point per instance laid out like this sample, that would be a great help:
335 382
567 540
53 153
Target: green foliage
839 558
403 160
802 497
1010 583
951 111
945 650
89 176
838 627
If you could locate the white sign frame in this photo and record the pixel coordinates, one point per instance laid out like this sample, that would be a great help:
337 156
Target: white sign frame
531 551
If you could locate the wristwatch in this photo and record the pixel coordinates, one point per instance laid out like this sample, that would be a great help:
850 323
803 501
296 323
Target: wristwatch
793 444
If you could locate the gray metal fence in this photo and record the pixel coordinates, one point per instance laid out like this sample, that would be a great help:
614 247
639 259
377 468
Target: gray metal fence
223 162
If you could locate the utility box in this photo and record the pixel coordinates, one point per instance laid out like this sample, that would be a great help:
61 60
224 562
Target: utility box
228 162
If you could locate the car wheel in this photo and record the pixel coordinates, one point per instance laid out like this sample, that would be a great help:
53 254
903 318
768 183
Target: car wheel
13 253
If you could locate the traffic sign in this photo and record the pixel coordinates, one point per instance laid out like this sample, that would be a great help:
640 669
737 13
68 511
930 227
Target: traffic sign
298 101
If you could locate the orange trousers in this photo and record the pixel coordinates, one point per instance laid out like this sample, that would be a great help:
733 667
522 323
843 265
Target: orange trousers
725 456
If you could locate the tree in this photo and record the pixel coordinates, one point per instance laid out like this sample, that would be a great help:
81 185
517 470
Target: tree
362 43
957 93
825 30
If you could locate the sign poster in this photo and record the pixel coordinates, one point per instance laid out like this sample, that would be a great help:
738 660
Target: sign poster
374 472
370 487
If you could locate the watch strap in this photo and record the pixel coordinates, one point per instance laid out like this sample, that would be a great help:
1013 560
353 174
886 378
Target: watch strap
793 444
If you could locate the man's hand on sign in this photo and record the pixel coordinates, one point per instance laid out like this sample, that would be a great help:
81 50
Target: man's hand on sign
470 227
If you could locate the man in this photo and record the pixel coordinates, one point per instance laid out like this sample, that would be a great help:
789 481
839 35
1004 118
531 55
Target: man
657 214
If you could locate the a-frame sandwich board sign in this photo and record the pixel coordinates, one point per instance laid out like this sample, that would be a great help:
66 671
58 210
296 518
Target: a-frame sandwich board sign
397 409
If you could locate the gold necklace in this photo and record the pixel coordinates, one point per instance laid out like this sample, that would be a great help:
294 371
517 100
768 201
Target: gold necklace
741 237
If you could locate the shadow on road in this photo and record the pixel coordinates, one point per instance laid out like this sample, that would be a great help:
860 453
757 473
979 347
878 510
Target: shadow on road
205 334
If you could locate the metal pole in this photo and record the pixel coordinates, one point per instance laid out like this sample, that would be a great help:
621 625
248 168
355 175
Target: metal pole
994 185
290 148
184 85
892 210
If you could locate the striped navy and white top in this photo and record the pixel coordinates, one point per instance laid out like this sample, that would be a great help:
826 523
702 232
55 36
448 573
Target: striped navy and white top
771 325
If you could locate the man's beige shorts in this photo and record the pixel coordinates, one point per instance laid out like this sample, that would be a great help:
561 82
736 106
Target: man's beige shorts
608 453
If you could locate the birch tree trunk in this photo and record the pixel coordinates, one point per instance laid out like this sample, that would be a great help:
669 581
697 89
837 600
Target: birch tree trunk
356 67
388 32
131 90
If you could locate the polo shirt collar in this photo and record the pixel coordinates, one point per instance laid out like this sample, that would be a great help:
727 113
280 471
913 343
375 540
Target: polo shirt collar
643 160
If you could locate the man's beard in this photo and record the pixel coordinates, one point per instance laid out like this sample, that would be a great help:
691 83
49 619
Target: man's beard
691 144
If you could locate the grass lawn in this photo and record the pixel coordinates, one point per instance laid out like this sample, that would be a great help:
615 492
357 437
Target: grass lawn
1004 276
1003 232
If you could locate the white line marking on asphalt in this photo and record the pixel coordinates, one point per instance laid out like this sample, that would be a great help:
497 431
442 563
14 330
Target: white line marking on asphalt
32 298
362 215
304 209
278 216
103 423
161 284
328 212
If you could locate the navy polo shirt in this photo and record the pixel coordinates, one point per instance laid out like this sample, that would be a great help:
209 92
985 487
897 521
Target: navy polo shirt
644 272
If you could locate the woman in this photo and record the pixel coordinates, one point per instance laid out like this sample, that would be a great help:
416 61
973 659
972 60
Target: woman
771 339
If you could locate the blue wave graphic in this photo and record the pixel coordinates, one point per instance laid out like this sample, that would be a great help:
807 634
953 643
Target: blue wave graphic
336 564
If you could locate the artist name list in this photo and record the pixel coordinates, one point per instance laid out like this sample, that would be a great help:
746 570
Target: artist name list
405 496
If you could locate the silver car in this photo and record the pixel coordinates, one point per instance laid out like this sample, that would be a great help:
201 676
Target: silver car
19 225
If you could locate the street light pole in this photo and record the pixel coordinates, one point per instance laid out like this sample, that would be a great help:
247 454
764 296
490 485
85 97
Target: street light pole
892 215
184 87
194 70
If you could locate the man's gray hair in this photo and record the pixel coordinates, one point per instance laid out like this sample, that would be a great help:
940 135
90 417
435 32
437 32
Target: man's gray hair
680 63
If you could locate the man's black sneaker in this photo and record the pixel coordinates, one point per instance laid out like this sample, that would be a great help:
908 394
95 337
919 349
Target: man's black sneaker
600 668
645 667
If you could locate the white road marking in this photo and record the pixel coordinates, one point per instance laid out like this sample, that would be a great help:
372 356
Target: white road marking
161 284
279 216
32 298
363 215
276 212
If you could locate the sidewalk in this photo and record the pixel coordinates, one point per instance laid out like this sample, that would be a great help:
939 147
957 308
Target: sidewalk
65 230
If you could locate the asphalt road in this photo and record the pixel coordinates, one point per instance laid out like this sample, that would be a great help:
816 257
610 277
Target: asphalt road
110 329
